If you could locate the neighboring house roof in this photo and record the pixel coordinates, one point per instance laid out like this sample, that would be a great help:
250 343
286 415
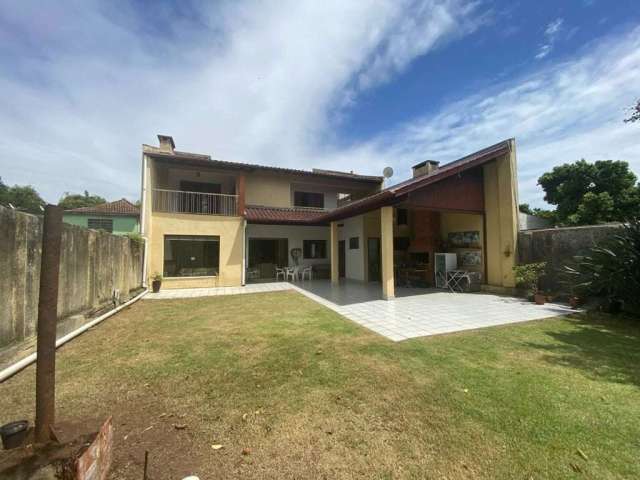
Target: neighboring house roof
280 216
122 207
206 160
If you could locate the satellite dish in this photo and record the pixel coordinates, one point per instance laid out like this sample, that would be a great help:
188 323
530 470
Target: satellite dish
387 172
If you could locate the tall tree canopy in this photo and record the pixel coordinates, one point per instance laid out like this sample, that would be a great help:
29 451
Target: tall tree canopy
22 197
588 193
76 200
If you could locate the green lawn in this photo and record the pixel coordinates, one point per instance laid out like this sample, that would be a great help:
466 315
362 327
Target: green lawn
313 395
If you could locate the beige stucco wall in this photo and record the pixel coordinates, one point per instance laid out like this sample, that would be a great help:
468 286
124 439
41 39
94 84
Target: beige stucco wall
501 213
463 222
354 258
277 190
269 190
230 231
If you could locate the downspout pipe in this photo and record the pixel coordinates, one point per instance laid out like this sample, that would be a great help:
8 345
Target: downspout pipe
143 219
244 252
25 362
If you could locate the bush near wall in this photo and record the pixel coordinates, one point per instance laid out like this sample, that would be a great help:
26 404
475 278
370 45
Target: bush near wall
558 247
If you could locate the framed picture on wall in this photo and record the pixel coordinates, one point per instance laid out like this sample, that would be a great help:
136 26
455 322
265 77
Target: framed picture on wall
464 239
470 258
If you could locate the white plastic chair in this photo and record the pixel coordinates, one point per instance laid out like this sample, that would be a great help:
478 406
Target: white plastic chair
281 271
308 271
292 272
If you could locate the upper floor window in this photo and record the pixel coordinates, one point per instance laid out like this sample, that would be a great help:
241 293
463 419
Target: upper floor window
308 199
200 187
105 224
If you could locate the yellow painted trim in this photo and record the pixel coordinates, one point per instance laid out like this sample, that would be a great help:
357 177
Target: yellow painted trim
386 247
501 219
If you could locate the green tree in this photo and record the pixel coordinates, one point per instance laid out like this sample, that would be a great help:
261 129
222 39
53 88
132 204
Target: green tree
594 208
567 185
4 190
538 212
22 197
525 208
76 200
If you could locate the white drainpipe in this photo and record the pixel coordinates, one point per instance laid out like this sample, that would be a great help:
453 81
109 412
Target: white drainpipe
143 217
244 252
25 362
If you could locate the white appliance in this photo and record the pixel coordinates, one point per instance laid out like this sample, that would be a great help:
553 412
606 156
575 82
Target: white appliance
443 263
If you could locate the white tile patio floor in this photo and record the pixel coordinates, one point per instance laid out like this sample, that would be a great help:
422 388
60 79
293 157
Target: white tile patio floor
413 313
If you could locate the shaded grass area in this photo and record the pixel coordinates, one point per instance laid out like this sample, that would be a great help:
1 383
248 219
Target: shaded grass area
312 395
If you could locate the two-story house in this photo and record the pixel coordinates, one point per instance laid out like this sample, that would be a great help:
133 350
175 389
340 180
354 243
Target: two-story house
217 223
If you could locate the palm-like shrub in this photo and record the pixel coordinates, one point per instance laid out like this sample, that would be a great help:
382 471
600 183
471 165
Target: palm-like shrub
612 269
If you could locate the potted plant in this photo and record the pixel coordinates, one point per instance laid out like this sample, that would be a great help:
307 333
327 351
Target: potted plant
156 282
528 277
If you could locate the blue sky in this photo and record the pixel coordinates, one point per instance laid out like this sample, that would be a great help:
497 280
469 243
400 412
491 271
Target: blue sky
333 84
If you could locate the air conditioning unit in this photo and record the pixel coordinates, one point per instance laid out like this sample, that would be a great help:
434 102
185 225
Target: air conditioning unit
443 263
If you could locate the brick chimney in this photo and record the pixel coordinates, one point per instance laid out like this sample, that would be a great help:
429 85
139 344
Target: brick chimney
425 168
166 143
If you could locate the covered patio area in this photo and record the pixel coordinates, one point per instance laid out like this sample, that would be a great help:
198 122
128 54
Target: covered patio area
420 312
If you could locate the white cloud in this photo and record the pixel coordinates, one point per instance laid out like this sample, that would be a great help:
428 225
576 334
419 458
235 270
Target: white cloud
560 114
551 34
85 83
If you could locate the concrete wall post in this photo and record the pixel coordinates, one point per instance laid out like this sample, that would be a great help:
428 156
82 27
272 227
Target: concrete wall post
47 322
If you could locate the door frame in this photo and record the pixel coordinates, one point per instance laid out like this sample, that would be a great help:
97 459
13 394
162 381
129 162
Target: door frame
378 277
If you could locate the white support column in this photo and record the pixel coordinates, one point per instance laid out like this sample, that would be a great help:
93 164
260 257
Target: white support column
335 269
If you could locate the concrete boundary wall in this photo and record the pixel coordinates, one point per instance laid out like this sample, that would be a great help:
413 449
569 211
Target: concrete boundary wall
92 265
558 247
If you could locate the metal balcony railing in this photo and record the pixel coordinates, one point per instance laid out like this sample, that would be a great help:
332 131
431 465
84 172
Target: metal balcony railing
175 201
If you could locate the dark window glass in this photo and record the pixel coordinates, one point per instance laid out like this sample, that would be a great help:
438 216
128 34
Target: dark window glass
308 199
354 243
402 216
191 256
422 257
400 243
314 249
201 187
105 224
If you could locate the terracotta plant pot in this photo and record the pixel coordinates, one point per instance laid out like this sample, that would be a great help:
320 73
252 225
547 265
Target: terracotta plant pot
155 286
539 298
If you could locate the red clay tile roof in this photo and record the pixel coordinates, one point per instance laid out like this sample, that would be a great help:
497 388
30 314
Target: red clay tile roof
283 216
119 207
208 161
388 196
396 193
